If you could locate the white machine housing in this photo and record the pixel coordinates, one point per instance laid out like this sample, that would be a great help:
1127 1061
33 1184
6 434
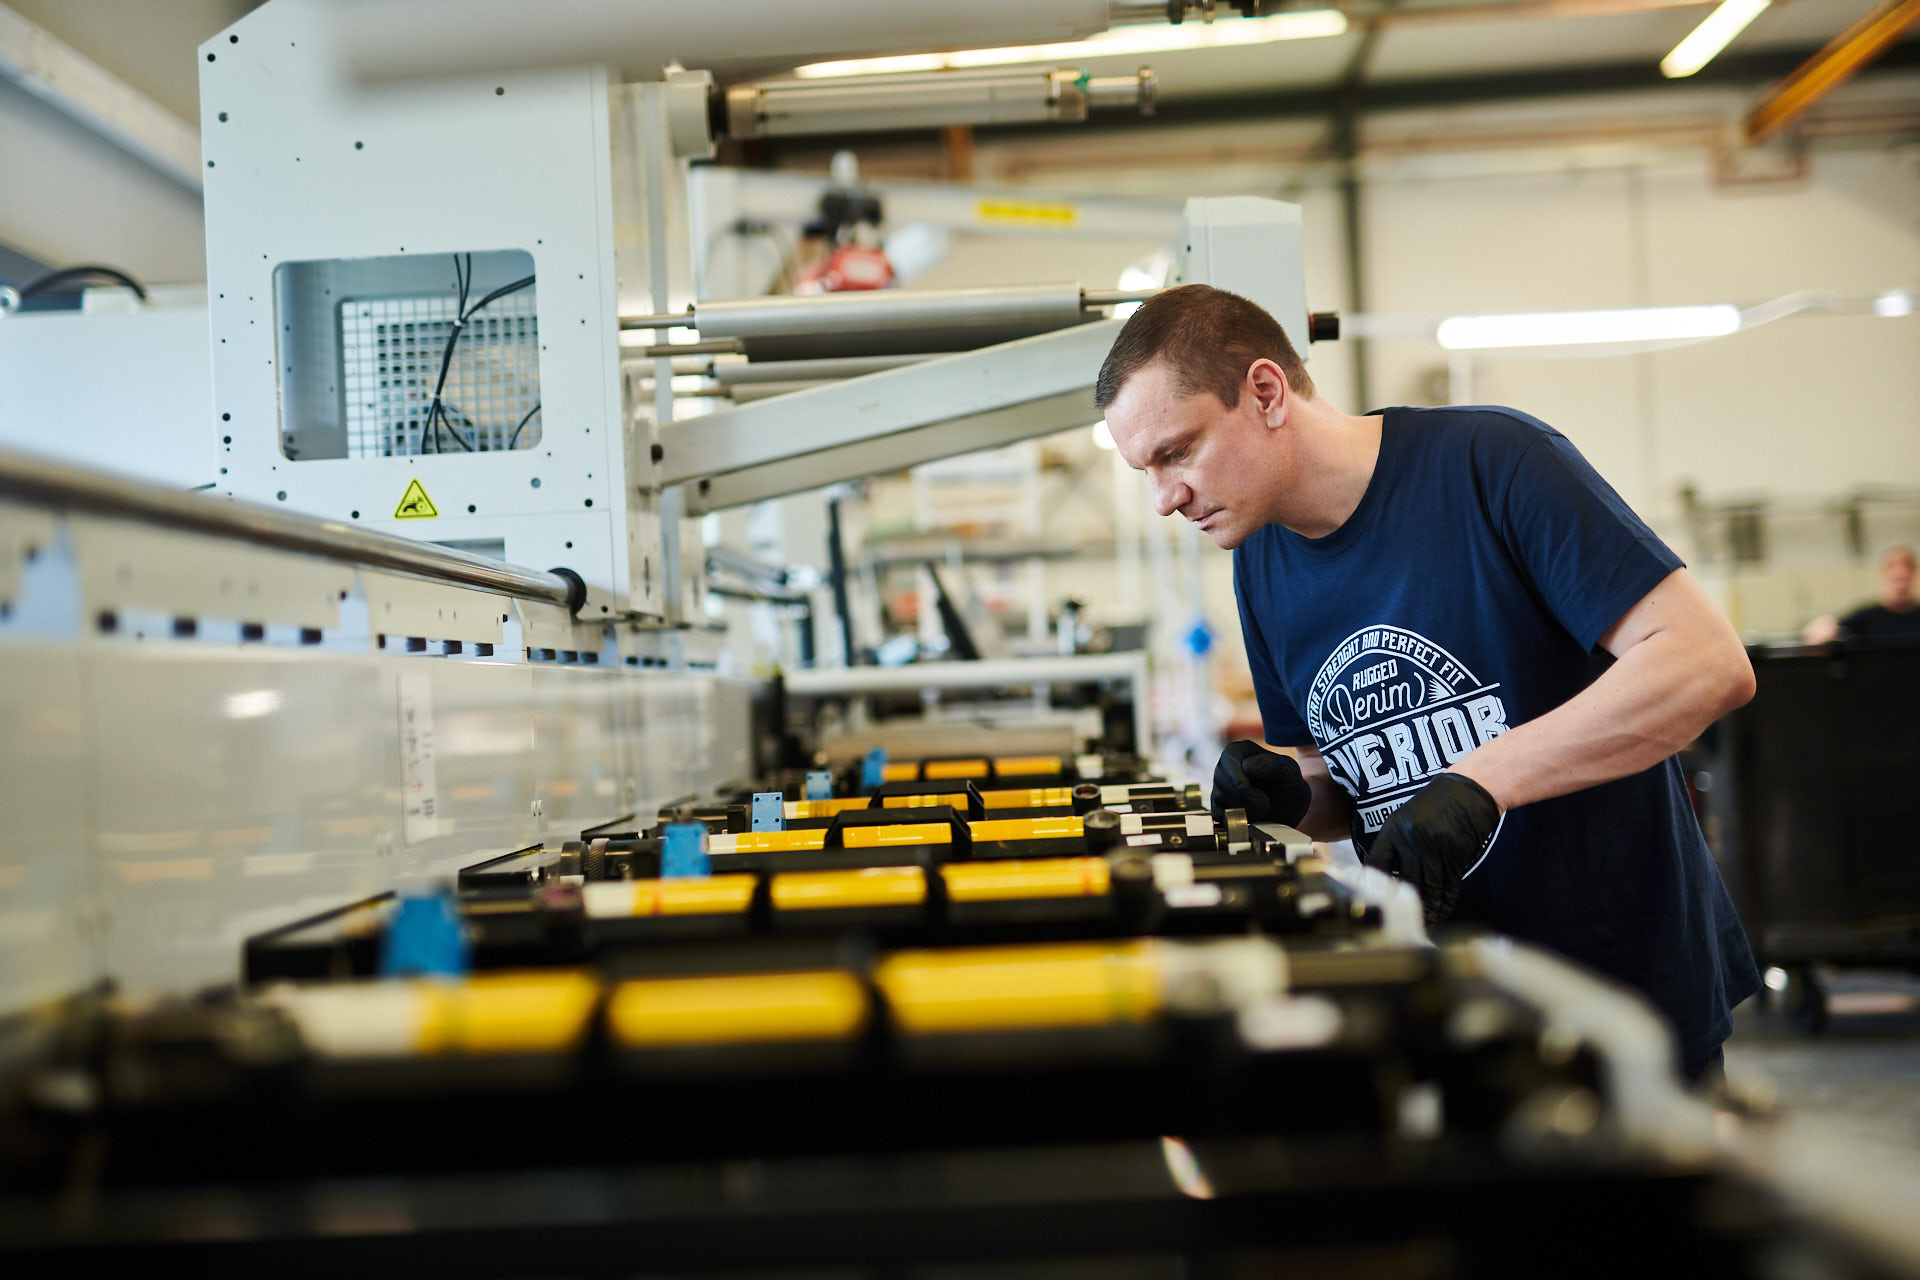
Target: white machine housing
306 166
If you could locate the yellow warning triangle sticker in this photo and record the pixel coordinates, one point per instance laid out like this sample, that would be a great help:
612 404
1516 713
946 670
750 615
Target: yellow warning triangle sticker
415 504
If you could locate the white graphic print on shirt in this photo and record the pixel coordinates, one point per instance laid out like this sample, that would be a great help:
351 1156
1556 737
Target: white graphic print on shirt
1390 709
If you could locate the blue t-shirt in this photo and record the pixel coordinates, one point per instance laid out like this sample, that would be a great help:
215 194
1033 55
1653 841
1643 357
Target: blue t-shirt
1467 594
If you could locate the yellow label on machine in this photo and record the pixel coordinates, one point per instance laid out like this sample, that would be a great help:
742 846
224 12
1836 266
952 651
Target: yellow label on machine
906 772
824 1005
508 1012
1014 880
1019 988
1064 827
1029 798
415 504
1026 212
865 887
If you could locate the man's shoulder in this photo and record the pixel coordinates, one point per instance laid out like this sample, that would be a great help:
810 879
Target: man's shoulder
1491 425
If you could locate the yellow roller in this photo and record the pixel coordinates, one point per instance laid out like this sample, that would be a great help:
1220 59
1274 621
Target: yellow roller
654 1012
935 770
694 895
767 841
864 887
1026 878
897 834
1029 798
1064 827
953 800
908 771
1021 988
823 808
1026 766
507 1012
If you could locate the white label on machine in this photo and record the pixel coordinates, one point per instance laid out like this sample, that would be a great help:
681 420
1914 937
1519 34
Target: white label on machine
1115 794
421 791
1194 895
1130 824
1199 824
1151 838
1172 871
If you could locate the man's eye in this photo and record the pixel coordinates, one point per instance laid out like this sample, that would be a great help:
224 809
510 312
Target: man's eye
1177 454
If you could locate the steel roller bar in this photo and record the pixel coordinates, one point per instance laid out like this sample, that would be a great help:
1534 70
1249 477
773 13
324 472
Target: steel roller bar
1038 306
41 482
734 373
1042 304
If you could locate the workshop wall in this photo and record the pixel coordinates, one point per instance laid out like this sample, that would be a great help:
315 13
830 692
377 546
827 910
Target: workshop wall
72 196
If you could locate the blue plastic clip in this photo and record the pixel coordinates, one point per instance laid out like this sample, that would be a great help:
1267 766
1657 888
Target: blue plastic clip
769 811
425 936
873 770
684 855
819 785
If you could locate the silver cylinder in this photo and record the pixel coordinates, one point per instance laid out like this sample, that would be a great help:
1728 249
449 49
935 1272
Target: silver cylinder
1039 305
45 483
919 100
1138 91
739 373
767 390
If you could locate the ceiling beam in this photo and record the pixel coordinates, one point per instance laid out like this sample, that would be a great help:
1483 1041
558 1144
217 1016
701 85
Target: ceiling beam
58 74
1854 48
1379 96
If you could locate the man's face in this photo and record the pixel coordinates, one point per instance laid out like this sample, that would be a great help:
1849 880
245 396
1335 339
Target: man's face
1214 465
1896 575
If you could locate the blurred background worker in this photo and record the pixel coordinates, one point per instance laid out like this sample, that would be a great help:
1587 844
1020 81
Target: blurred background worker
1465 632
1896 614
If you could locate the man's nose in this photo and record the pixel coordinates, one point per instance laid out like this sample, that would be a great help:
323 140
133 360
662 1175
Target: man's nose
1169 495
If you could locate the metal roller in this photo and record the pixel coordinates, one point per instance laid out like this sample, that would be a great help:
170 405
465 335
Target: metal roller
890 342
48 483
1038 308
734 373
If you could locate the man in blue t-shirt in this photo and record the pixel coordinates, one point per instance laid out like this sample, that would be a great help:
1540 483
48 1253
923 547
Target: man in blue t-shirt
1482 658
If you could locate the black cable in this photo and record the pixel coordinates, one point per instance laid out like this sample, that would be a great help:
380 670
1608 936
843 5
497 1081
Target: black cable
501 292
463 279
454 418
514 438
52 278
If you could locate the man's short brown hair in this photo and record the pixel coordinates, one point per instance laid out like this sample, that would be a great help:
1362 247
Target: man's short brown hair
1208 338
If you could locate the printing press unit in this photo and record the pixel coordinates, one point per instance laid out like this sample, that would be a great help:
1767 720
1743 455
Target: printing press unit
371 904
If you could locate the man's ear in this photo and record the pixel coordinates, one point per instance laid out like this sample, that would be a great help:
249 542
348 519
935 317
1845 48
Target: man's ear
1271 394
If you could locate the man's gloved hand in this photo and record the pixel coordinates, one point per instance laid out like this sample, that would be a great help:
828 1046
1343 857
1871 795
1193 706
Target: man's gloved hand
1265 783
1435 838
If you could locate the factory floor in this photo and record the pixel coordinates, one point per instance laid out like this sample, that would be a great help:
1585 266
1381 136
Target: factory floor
1860 1078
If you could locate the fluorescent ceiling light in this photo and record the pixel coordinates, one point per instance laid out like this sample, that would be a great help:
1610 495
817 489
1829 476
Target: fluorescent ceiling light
1306 24
1102 436
1710 37
1569 328
1893 304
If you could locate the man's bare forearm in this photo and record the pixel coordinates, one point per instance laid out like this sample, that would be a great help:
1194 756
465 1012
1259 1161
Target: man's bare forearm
1330 815
1680 667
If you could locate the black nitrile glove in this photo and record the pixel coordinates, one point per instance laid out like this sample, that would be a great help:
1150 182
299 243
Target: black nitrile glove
1435 838
1265 783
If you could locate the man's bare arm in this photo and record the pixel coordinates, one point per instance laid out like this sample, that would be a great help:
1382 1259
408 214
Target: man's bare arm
1679 667
1328 817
